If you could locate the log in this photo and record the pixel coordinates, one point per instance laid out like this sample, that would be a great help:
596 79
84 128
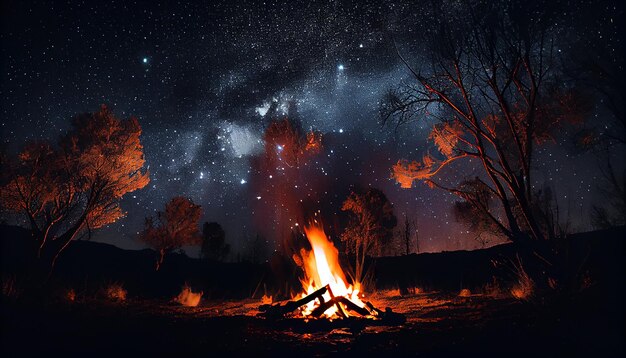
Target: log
354 307
279 310
319 310
342 313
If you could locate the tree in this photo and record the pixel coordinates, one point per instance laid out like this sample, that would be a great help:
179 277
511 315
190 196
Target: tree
66 190
612 190
172 229
370 227
599 68
285 143
491 94
406 234
214 244
258 249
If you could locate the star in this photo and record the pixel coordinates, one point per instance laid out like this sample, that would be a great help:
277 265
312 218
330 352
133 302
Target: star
144 60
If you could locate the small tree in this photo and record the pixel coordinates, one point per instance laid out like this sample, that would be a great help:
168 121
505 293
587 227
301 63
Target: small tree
406 235
370 228
174 228
75 187
214 244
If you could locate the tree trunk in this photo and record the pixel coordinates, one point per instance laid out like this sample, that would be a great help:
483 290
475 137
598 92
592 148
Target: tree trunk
59 244
160 259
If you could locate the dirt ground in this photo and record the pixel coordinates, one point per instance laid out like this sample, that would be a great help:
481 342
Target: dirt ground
436 324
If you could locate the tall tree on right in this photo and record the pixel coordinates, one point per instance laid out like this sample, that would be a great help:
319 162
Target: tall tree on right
490 91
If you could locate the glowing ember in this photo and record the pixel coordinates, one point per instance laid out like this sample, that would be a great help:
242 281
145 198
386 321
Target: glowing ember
188 298
321 267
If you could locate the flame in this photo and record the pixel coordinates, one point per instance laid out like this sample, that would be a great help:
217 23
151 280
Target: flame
188 298
321 267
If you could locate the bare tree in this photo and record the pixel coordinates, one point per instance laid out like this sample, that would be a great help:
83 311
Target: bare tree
490 93
612 212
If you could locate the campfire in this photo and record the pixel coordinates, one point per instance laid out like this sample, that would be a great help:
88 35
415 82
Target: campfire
328 294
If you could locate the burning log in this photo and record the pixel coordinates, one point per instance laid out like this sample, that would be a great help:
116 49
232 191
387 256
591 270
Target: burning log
279 310
369 311
327 286
319 310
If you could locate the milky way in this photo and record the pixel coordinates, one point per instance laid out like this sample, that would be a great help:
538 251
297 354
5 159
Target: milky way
200 78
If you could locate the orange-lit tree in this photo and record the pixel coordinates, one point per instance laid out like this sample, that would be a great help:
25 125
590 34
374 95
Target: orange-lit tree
491 94
370 226
285 144
75 187
174 228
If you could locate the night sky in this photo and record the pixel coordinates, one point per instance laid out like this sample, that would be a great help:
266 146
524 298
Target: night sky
200 77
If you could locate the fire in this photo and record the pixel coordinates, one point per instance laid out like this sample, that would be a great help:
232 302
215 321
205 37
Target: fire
188 298
322 269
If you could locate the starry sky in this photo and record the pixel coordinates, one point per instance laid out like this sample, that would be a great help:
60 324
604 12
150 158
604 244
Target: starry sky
200 77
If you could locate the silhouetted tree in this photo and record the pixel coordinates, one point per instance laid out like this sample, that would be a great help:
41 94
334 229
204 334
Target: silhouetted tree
490 92
370 228
214 244
66 190
612 211
258 249
599 68
406 234
476 207
174 228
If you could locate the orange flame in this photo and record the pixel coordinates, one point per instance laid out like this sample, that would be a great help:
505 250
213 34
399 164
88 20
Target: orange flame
188 298
322 268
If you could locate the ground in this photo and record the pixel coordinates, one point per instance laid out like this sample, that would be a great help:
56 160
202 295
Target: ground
436 323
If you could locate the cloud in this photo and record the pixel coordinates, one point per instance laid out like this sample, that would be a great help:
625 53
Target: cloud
244 140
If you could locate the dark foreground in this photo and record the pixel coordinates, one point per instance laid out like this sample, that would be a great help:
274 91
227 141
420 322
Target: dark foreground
576 308
437 324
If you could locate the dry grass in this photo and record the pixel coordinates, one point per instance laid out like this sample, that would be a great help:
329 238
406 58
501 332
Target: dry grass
586 281
524 287
70 295
492 288
115 292
10 288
